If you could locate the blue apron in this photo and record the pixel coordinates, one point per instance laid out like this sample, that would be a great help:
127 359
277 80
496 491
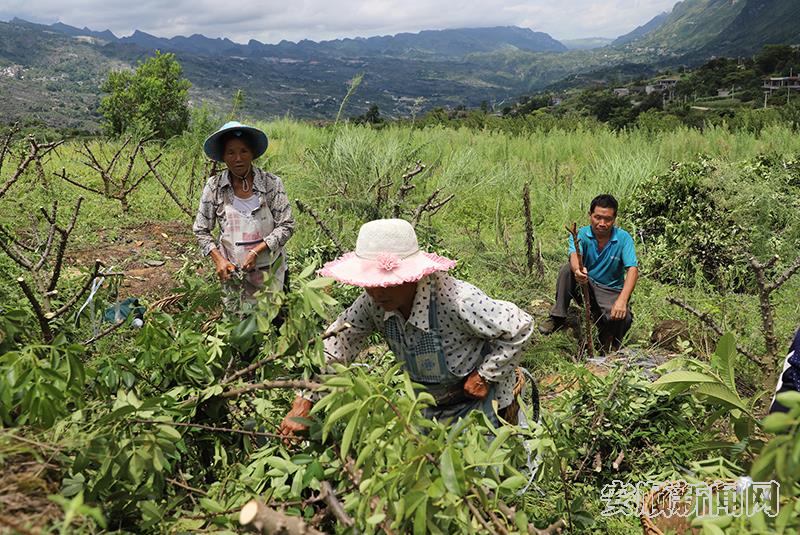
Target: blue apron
422 355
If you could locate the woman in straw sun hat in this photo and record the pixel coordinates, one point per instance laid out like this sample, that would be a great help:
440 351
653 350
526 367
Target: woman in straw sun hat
253 212
453 339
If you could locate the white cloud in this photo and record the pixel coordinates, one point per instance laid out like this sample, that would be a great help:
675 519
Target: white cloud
272 20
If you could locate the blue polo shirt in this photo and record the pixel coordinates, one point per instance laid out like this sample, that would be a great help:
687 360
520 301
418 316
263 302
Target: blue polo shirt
606 267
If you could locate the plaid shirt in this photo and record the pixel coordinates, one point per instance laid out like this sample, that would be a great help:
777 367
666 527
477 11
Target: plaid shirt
218 192
467 318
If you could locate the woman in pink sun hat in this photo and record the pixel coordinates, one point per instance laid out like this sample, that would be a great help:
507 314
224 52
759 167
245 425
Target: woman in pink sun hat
453 339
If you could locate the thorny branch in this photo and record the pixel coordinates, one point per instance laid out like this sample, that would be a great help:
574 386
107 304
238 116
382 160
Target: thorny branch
270 385
711 324
152 165
430 206
329 497
117 189
35 153
406 187
306 209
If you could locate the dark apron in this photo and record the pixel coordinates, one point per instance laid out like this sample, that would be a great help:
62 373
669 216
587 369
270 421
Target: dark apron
422 355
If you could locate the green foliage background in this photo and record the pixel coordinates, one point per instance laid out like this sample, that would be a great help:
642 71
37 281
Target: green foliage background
108 459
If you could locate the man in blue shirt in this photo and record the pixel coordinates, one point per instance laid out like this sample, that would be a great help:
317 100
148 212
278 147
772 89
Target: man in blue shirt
610 269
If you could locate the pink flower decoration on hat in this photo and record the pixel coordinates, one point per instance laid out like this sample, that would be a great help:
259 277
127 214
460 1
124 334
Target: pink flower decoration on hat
388 262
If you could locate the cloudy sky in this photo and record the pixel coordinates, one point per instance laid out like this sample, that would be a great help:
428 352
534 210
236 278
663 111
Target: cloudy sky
270 21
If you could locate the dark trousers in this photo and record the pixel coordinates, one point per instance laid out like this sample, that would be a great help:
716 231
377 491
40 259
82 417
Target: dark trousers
602 299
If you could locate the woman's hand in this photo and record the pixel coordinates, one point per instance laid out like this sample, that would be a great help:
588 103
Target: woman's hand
475 386
250 261
221 265
289 428
224 269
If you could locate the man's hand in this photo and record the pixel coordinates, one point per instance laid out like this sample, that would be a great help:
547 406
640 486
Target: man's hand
475 386
289 428
619 310
581 275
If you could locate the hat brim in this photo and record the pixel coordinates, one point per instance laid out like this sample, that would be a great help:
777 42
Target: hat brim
355 271
214 148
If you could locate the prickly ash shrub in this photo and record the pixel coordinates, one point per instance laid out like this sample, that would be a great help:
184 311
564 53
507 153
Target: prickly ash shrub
687 234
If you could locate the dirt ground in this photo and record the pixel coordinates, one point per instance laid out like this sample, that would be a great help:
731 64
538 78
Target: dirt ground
149 255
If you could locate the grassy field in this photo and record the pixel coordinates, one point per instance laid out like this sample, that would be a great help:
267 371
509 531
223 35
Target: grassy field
336 171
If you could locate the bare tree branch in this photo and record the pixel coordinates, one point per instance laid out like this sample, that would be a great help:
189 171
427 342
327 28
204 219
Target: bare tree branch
62 245
35 151
430 206
585 289
406 187
74 299
47 334
105 332
152 165
329 497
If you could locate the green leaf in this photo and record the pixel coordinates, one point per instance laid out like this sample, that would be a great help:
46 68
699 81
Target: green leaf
347 437
375 519
421 519
320 282
789 399
722 394
336 415
684 376
521 520
724 359
777 422
712 529
513 482
281 464
449 466
211 505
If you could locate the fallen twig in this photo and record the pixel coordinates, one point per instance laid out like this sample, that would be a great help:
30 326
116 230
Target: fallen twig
186 487
105 332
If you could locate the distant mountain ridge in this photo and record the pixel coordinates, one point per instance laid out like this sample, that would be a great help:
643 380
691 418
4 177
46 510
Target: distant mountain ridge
759 22
691 25
640 31
449 43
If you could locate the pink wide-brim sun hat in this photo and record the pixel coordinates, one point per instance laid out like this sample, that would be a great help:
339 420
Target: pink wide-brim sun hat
387 254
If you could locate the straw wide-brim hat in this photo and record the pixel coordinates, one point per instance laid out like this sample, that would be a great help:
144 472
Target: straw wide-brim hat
387 254
214 146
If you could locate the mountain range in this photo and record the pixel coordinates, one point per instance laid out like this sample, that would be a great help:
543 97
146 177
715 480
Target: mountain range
51 73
